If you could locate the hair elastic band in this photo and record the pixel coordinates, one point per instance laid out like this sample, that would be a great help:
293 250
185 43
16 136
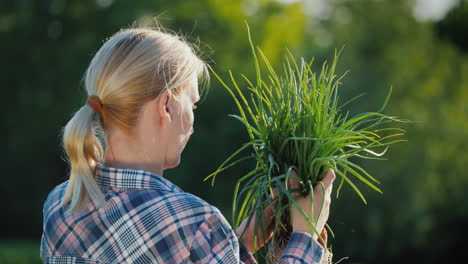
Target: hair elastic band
95 103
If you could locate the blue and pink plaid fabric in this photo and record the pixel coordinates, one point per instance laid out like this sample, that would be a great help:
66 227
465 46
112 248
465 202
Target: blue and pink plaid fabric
148 219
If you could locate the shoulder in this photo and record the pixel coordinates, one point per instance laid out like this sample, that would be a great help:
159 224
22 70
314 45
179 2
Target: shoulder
161 207
55 196
177 204
170 214
58 190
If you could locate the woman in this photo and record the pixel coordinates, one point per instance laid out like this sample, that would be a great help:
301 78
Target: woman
117 207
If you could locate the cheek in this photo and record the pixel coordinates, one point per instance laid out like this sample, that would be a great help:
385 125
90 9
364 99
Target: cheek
192 118
187 121
190 122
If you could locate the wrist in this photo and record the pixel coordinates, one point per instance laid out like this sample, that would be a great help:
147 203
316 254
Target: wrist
312 234
306 229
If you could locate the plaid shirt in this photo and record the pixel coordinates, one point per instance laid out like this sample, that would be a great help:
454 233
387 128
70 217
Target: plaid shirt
148 219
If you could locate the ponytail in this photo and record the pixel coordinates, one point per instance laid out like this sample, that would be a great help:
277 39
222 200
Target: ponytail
83 149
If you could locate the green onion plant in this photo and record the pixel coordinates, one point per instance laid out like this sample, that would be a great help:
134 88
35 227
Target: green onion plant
294 122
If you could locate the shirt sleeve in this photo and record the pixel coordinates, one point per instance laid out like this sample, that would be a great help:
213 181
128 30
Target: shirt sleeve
302 249
216 242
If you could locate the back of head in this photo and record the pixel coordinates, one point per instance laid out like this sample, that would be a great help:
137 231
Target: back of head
132 67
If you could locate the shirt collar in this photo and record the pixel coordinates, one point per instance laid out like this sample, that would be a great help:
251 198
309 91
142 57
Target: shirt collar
132 179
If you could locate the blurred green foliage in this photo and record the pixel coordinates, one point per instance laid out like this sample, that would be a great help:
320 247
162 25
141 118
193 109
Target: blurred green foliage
19 251
421 218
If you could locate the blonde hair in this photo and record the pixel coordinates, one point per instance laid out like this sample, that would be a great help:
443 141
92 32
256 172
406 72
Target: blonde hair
133 66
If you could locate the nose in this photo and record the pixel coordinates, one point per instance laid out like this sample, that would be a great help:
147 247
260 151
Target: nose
193 130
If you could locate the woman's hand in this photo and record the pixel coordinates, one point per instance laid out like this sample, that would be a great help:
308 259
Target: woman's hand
322 194
249 227
298 221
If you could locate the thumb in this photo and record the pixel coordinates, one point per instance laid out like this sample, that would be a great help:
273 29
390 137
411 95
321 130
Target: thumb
294 183
329 178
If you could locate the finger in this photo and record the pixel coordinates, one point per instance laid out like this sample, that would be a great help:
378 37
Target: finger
324 237
324 234
329 178
268 212
294 183
274 195
322 191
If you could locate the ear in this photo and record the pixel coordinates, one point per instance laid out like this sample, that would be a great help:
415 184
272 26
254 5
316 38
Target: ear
164 107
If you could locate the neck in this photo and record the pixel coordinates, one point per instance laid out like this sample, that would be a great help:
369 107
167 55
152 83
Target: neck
123 164
126 152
